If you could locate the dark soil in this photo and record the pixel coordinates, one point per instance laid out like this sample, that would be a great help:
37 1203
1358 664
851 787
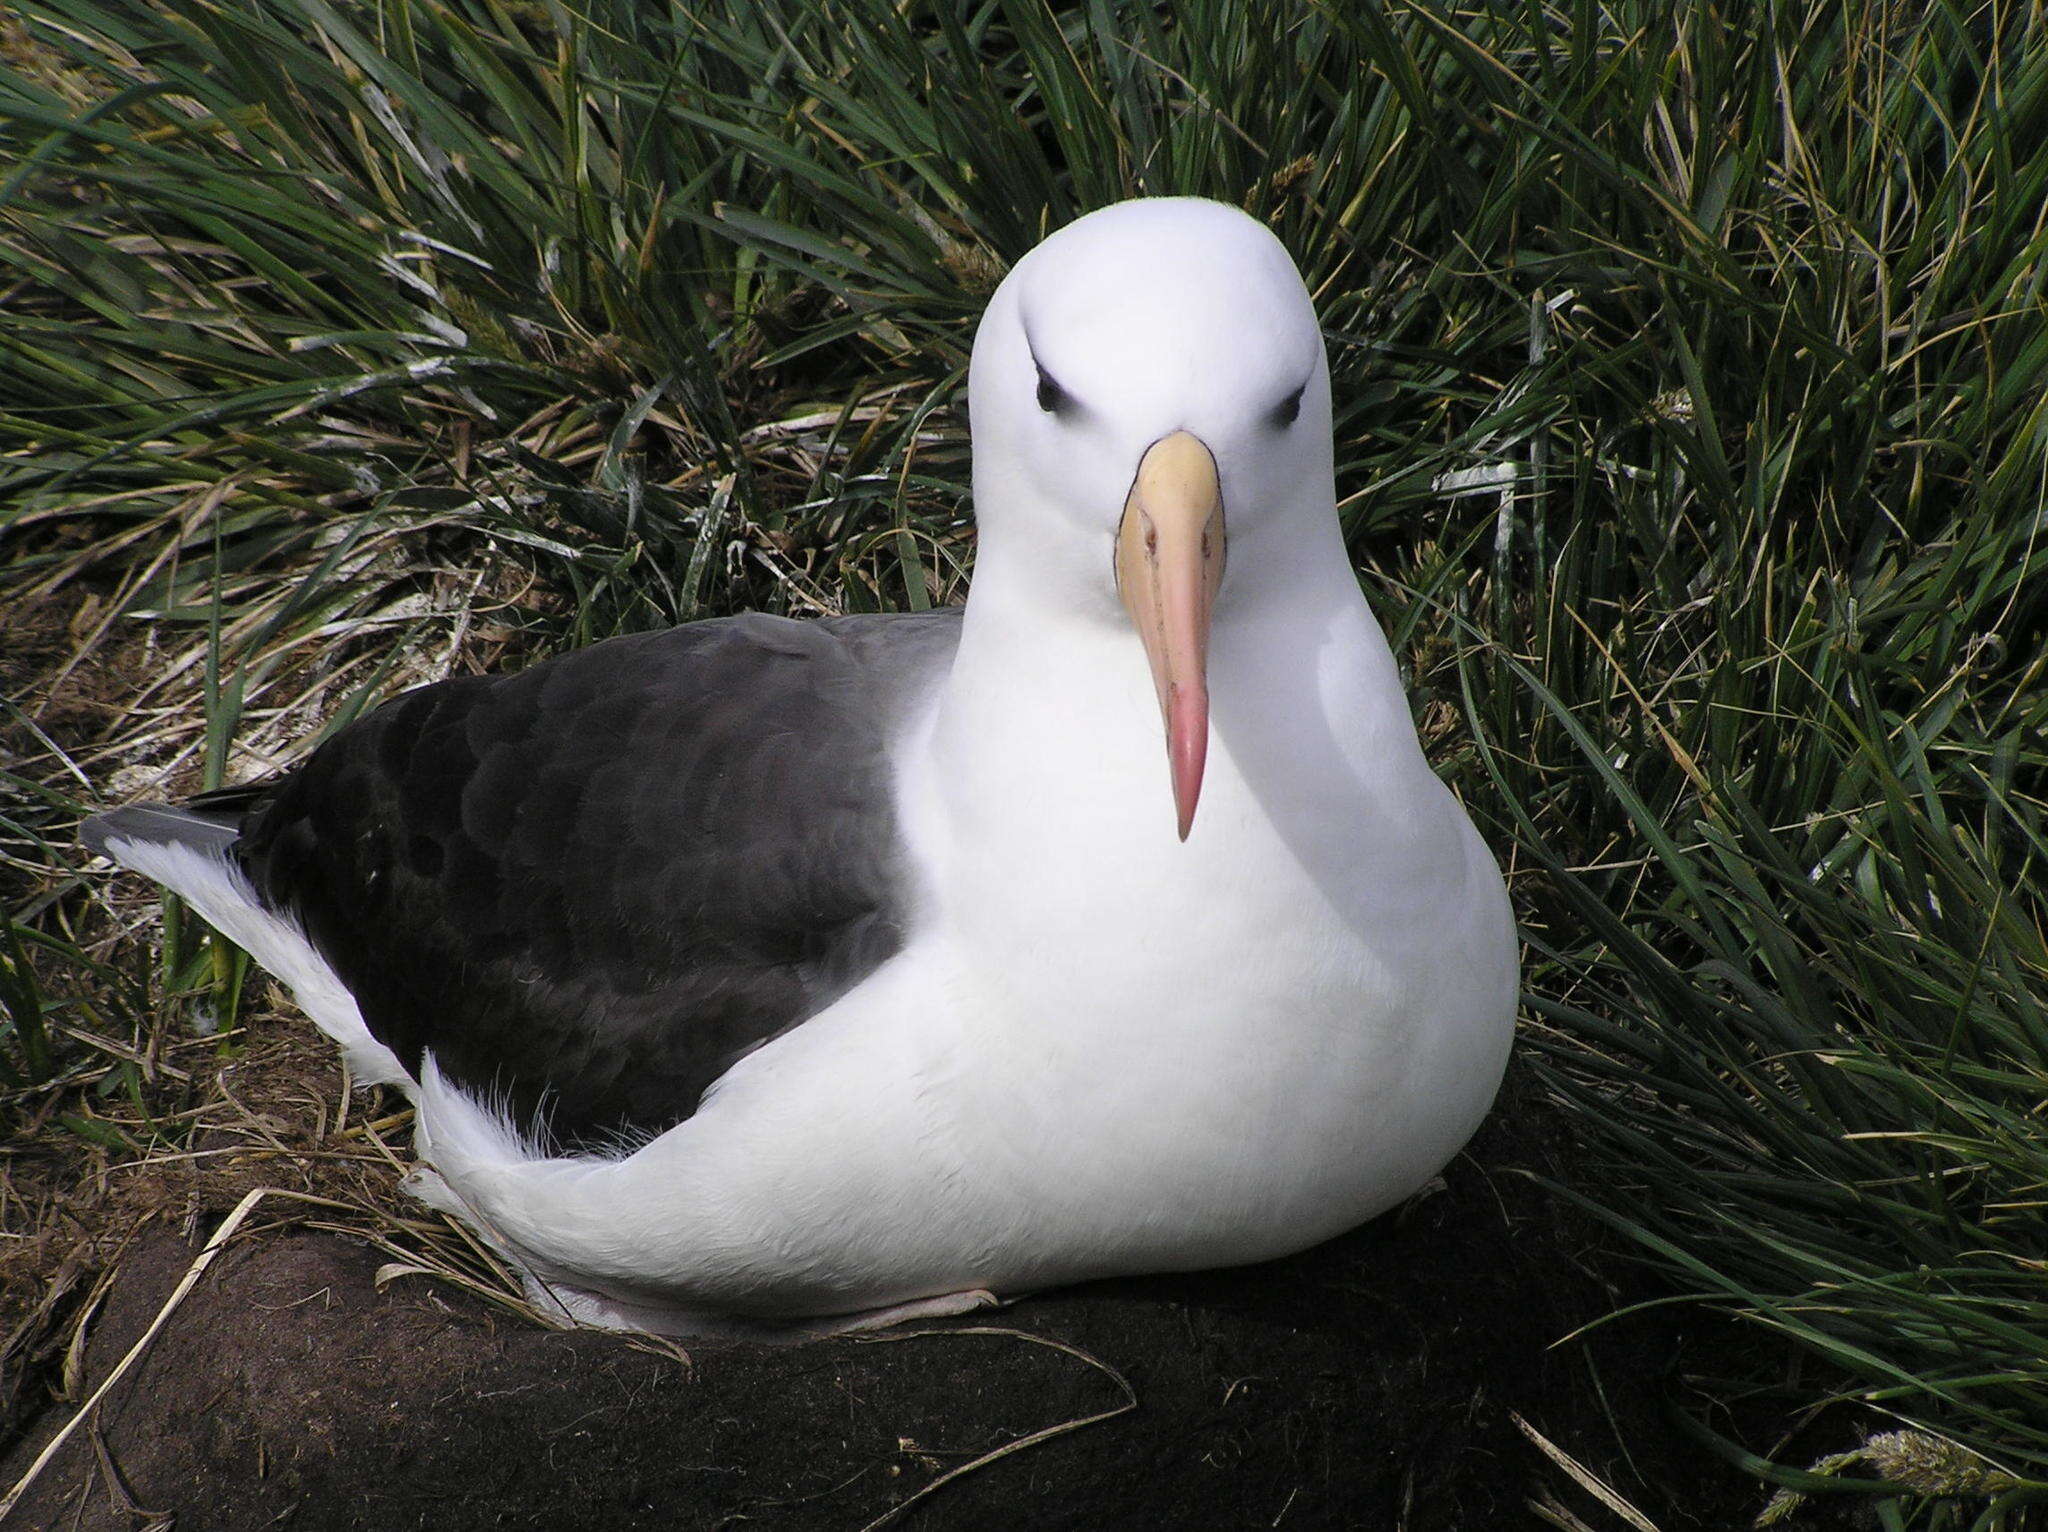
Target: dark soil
1369 1383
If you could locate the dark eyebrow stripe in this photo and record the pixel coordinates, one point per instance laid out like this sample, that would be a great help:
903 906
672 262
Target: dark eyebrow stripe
1064 403
1288 410
1052 397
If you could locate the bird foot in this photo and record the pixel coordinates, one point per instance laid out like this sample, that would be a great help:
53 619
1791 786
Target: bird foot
945 1306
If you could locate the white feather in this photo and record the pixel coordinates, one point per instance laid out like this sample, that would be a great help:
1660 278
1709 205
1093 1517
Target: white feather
215 887
1101 1050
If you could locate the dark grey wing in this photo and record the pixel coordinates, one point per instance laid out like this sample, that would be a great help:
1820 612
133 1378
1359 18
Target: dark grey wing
206 824
590 886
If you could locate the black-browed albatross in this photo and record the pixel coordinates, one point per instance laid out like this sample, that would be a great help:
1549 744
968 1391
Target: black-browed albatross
830 973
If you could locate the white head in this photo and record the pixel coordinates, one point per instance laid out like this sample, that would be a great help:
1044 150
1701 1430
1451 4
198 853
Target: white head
1149 389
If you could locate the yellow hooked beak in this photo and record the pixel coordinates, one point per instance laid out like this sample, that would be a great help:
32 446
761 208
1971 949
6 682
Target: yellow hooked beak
1169 563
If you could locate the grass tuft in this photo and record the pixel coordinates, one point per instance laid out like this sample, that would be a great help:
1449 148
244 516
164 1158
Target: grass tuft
1691 367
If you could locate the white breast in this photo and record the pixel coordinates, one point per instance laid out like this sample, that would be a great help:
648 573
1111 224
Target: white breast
1211 1051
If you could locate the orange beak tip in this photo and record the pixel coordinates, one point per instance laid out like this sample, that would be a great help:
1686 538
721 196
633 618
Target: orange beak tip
1169 567
1187 753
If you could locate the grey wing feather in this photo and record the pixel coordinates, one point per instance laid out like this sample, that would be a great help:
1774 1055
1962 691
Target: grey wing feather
162 823
589 887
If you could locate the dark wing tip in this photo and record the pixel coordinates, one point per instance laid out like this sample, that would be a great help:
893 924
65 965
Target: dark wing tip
161 824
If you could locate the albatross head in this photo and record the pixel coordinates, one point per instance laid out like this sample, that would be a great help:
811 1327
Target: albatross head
1151 416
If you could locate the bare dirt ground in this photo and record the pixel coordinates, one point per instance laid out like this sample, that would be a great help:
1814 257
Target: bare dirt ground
1374 1383
342 1363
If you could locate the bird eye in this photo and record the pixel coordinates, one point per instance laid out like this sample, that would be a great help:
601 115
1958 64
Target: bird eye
1053 399
1287 409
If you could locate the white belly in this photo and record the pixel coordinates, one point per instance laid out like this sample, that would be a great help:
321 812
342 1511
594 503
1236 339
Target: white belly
1102 1051
1139 1054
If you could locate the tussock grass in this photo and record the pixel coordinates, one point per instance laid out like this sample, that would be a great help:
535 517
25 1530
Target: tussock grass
1693 423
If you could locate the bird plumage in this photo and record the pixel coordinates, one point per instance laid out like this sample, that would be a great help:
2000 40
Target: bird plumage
889 931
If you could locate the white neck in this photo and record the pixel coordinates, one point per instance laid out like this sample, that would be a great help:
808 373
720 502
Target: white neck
1046 752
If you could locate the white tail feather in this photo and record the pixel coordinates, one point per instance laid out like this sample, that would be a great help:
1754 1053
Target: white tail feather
215 887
